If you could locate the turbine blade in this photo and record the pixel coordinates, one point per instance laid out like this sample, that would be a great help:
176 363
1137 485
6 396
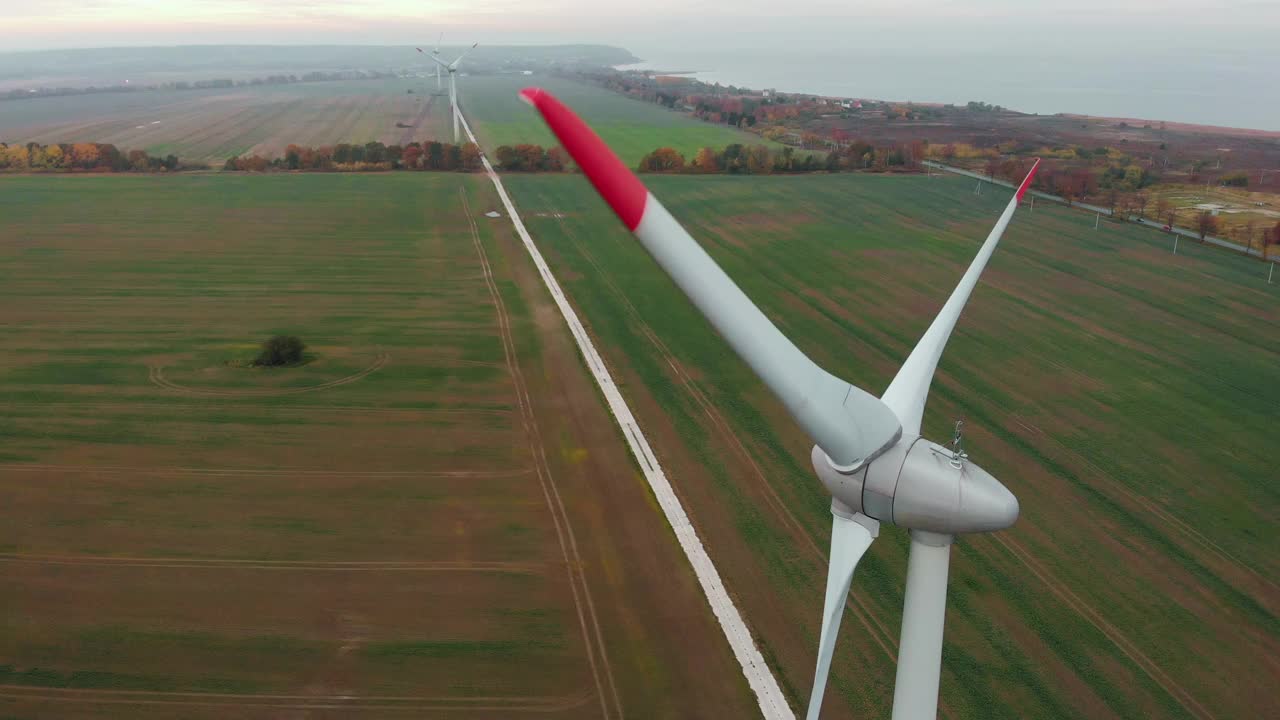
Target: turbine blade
454 64
849 542
441 63
910 387
850 425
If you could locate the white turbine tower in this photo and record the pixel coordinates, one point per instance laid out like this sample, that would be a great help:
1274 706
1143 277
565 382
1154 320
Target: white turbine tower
435 54
452 69
868 453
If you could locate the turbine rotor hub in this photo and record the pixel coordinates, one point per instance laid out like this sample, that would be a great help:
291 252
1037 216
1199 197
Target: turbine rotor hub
921 485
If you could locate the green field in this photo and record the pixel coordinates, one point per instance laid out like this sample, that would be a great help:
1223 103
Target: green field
631 127
376 530
372 524
1126 395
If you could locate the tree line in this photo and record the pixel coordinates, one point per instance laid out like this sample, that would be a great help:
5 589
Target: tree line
739 159
531 158
734 159
81 157
370 156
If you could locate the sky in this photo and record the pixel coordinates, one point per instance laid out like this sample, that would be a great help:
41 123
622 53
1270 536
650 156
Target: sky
37 24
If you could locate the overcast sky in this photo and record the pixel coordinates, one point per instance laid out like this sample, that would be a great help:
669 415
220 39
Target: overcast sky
1052 26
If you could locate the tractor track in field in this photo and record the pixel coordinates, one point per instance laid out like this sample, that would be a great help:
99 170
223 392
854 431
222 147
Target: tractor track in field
411 704
875 627
520 568
265 472
560 518
156 375
352 409
1126 646
407 136
1167 517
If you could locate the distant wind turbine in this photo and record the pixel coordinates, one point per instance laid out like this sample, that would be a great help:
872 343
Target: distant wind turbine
435 53
452 69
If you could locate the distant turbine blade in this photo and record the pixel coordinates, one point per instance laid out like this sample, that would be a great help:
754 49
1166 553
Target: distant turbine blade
850 425
442 63
910 388
849 542
454 64
418 49
438 40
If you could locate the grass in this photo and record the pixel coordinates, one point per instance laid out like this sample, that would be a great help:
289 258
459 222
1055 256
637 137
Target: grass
162 540
631 127
1125 394
104 278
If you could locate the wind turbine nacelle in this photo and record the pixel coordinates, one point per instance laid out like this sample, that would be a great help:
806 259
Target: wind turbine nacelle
921 485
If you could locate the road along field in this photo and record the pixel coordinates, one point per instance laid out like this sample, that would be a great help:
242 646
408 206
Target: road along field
631 127
433 515
211 125
1126 395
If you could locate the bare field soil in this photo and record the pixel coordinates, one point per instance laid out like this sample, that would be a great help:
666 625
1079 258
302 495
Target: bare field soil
208 126
1126 395
433 516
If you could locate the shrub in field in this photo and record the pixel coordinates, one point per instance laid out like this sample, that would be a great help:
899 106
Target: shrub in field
280 350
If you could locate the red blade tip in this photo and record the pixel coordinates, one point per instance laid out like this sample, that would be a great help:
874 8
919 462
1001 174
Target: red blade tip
615 183
1026 182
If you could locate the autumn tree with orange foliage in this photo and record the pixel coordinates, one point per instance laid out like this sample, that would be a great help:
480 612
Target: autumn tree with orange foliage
471 156
705 161
80 157
664 159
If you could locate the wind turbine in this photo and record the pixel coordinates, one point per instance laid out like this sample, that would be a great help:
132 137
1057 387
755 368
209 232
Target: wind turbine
435 55
452 69
868 453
